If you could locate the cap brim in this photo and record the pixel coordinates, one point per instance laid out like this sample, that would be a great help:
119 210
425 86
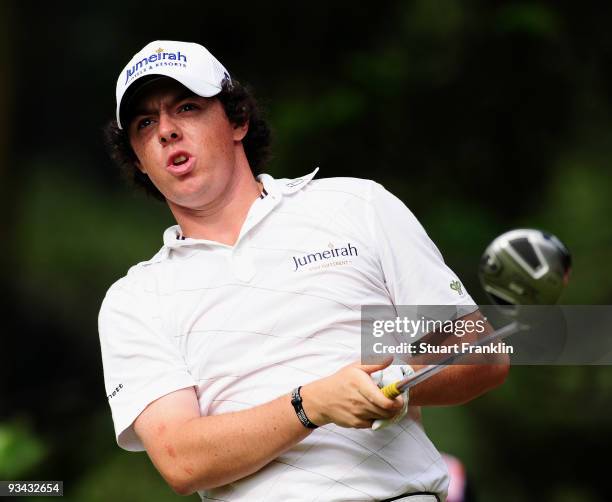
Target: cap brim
132 93
203 89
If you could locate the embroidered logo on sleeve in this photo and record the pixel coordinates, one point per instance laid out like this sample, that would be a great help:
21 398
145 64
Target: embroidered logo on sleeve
456 286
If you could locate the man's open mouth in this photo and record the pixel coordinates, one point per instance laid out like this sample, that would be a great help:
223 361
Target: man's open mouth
180 163
180 159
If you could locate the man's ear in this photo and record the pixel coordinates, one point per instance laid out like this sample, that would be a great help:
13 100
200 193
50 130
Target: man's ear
240 131
139 167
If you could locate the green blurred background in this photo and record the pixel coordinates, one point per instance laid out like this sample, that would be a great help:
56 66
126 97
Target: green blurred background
481 116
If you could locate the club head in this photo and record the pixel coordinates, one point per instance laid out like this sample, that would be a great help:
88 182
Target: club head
525 267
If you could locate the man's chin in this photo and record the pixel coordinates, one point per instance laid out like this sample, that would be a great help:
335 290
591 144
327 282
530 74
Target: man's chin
187 201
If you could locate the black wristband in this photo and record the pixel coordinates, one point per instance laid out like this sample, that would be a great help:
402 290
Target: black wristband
296 401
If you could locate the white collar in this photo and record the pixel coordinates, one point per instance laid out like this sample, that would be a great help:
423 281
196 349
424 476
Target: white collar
276 189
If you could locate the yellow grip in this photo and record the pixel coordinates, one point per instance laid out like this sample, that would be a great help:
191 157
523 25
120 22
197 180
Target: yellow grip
391 391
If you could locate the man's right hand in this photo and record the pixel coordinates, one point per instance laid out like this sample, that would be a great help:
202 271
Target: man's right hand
349 398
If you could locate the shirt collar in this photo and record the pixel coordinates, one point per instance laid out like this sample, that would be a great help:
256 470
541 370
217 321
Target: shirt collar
276 189
285 186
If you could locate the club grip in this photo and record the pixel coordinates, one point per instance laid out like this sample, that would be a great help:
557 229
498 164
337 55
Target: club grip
391 391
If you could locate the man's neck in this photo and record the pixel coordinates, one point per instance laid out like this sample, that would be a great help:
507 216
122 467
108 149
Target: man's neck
222 220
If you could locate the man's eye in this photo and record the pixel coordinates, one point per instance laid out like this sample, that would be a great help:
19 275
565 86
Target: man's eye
187 107
144 123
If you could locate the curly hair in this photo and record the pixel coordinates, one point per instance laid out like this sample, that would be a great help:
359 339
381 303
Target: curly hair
240 107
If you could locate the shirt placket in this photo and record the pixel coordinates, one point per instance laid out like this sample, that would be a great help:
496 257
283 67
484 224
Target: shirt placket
242 260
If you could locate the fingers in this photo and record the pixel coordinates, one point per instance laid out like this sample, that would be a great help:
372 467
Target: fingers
379 406
373 394
376 404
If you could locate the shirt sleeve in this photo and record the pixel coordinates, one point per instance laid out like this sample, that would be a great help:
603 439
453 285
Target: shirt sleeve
141 362
413 268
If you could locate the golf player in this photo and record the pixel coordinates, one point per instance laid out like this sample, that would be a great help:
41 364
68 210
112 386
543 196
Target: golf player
232 356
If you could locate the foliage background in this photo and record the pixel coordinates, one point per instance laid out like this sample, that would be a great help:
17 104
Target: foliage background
482 116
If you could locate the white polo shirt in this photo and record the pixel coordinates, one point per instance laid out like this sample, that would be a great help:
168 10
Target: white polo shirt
247 323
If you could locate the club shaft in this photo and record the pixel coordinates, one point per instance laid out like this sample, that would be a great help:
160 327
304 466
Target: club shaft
432 369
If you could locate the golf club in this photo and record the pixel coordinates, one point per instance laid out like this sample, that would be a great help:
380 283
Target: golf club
520 267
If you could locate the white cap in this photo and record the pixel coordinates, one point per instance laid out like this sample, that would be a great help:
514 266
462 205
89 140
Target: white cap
186 62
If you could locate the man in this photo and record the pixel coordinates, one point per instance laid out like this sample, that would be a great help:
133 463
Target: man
232 356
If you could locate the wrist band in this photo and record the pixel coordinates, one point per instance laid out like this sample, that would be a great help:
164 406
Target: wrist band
296 401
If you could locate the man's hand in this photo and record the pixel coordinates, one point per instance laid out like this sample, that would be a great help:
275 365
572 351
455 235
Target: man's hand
349 398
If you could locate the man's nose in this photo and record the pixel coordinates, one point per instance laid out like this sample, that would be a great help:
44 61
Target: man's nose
168 130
